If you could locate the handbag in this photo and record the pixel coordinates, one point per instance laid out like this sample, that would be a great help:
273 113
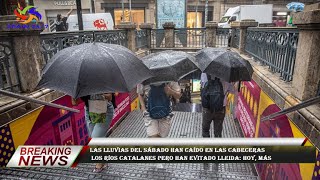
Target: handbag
97 111
97 106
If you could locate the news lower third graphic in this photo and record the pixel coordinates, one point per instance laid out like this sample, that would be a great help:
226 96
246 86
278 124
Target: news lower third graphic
120 150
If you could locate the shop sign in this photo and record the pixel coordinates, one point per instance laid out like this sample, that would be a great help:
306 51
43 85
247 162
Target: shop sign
171 11
64 3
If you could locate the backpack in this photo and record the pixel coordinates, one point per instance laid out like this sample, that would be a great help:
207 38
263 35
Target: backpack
158 102
212 95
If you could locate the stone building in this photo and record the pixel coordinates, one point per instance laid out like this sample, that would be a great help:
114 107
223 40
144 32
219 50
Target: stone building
145 10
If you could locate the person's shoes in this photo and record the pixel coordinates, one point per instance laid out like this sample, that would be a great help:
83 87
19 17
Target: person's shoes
97 170
159 166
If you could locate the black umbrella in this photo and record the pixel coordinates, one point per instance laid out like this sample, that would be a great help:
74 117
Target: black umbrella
93 68
225 64
169 65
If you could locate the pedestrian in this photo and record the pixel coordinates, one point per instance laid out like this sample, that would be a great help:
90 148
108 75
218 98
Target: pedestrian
187 91
61 23
213 100
183 98
155 105
101 109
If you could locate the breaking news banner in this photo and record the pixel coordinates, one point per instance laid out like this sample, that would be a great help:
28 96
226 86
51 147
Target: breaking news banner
44 156
167 150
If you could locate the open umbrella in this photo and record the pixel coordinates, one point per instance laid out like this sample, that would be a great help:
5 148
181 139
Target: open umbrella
93 68
169 65
295 6
225 64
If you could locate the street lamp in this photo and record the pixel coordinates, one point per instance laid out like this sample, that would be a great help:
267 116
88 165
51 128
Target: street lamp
206 12
130 11
79 14
122 17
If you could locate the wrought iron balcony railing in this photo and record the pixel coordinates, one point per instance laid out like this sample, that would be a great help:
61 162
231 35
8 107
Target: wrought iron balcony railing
274 47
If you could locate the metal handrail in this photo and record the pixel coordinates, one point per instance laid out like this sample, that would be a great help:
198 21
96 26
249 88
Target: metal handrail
301 105
14 95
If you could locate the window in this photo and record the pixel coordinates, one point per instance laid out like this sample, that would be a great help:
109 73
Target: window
224 19
137 16
85 129
194 20
82 142
69 123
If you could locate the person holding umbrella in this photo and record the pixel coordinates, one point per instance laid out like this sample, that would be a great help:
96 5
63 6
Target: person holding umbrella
94 69
101 110
168 67
227 67
214 99
156 107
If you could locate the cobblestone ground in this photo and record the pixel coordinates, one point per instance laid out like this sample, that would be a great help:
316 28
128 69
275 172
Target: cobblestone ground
184 125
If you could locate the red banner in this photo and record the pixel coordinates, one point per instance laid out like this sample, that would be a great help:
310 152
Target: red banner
123 107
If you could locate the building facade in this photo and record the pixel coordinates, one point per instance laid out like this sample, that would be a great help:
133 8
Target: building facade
50 8
143 11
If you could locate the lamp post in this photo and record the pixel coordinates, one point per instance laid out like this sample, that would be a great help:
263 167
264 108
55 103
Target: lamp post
130 11
122 5
206 12
79 14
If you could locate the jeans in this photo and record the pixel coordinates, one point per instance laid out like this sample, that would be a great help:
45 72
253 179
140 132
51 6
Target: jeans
217 118
100 129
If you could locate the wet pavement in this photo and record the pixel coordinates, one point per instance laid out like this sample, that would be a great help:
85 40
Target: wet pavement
184 125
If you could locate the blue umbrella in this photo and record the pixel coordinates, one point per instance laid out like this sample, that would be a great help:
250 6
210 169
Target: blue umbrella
295 6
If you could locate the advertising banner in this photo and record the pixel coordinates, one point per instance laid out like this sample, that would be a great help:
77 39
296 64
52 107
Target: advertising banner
123 107
248 103
52 126
171 11
253 104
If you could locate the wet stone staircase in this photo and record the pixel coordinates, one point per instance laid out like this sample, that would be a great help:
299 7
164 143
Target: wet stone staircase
184 125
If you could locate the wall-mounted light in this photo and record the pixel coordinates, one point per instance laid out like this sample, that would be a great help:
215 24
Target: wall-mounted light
282 13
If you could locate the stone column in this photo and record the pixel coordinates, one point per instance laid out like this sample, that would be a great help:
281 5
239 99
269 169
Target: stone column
233 33
131 34
217 10
211 31
148 27
97 6
243 25
26 51
169 34
306 76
